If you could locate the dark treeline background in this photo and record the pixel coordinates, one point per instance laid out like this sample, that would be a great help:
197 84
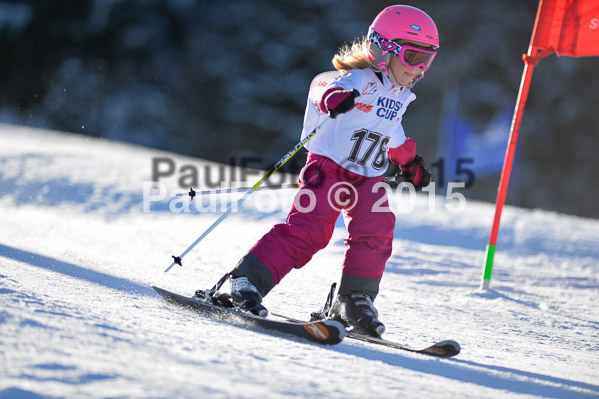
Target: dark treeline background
226 80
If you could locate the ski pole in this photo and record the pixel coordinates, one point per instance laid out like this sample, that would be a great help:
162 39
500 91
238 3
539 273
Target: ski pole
192 193
271 171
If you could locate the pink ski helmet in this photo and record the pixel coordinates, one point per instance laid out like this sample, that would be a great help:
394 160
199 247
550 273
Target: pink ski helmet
401 22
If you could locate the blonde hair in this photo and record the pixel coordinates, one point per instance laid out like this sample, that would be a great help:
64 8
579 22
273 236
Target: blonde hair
354 56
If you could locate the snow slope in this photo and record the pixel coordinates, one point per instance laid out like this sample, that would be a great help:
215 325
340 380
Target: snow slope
78 319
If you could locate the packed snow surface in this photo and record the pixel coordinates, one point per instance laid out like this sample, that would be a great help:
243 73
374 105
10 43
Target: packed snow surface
83 239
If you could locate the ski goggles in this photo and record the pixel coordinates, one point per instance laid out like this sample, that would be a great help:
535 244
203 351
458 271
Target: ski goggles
409 54
415 56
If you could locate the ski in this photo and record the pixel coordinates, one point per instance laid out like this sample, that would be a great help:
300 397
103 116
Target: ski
448 348
325 332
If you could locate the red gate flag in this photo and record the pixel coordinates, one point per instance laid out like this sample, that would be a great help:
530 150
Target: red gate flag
567 27
564 27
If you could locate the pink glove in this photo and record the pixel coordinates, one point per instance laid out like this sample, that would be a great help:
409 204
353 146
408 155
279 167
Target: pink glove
415 173
411 166
337 101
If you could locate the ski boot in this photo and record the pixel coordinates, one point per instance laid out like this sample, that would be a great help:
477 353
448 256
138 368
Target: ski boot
355 311
241 295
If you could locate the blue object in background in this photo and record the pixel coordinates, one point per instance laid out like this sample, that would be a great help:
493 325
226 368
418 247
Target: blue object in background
468 152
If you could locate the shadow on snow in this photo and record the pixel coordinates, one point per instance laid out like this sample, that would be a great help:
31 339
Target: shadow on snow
480 374
69 269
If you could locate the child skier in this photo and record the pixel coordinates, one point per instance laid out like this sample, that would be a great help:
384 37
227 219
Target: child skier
345 169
